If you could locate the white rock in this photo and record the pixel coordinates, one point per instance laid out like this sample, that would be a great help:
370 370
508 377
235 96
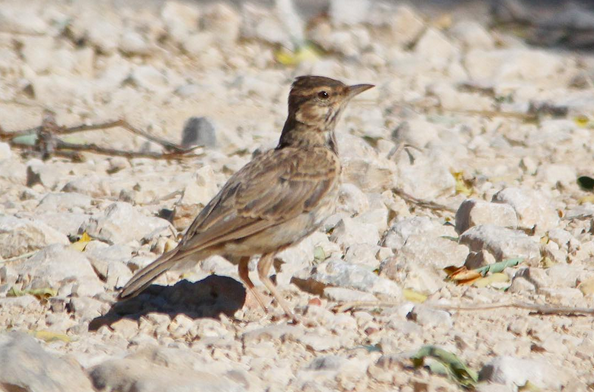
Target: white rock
434 44
21 21
340 294
352 200
202 188
223 21
57 265
20 236
180 19
406 25
149 78
474 212
472 35
122 223
419 278
438 252
418 225
197 44
532 208
417 132
145 376
5 152
513 65
132 42
427 178
515 372
37 52
557 174
501 242
36 369
336 273
428 317
348 232
56 202
349 12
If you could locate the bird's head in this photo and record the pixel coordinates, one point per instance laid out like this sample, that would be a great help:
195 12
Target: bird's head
315 106
318 101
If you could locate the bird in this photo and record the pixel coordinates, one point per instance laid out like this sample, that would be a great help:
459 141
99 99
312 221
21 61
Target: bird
276 200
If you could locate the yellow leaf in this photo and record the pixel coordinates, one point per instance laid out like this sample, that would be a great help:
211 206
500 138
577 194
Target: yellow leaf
498 277
586 199
413 296
462 186
303 53
49 336
81 244
581 121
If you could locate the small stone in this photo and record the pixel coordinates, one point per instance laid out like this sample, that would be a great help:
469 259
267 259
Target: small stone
180 19
434 44
336 273
532 208
348 232
56 202
472 35
349 12
223 21
501 242
149 78
20 236
133 43
199 131
122 223
316 342
515 372
352 200
57 265
5 152
428 317
36 369
340 294
476 212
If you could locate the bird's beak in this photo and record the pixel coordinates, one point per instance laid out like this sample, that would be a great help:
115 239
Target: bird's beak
358 89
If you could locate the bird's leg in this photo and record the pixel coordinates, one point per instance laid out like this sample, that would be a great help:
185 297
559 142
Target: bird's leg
245 277
263 269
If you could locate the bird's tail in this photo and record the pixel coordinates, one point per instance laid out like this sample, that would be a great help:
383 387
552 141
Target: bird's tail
143 278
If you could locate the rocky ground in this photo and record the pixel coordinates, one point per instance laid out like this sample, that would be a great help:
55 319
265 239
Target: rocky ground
498 133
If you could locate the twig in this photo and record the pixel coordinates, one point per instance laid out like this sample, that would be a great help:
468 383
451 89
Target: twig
422 203
16 258
48 144
542 309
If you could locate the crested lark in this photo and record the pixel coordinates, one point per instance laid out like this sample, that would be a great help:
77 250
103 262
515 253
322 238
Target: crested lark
277 199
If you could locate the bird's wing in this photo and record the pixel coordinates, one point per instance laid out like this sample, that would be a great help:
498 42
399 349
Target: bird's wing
274 187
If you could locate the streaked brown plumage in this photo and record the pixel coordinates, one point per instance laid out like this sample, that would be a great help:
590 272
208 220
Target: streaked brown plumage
274 201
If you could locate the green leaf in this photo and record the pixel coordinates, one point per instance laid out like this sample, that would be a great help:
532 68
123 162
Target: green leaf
28 140
43 293
451 365
319 254
499 266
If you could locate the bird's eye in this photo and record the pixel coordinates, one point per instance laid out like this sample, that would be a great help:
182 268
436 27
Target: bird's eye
323 95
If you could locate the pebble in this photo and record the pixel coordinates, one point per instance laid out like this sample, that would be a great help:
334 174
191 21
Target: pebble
516 372
20 236
122 223
474 212
501 242
532 208
36 369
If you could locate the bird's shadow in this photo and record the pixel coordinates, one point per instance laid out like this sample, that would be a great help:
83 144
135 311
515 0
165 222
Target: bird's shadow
207 298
